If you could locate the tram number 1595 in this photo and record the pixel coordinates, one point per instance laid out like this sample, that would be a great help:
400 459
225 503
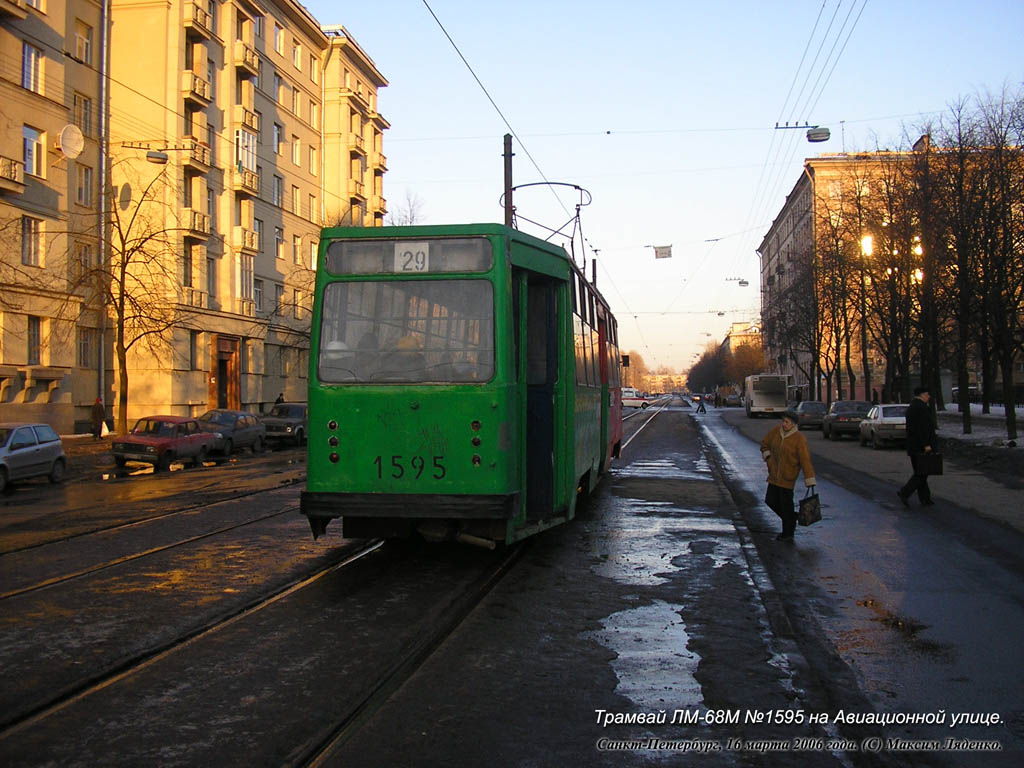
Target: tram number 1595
415 465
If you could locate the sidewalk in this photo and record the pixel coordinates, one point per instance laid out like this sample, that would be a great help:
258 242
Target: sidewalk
87 456
983 479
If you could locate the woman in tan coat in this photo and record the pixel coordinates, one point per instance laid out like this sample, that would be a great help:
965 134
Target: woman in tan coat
784 450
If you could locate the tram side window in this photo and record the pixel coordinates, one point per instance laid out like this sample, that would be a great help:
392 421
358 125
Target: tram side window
577 336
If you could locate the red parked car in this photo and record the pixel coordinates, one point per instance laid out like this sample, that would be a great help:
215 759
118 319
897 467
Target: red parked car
161 440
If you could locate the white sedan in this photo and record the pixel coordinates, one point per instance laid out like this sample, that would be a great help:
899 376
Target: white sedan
884 424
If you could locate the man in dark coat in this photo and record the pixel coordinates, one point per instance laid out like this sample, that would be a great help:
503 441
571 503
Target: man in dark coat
920 440
96 418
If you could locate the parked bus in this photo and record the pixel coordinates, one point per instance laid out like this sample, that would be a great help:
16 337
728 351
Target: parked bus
765 393
464 384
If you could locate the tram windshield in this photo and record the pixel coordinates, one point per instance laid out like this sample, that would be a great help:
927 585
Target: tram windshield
418 331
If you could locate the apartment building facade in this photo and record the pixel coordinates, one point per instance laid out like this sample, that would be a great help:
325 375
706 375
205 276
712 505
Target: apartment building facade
229 144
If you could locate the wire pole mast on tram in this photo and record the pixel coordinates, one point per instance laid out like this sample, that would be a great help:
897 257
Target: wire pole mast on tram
508 180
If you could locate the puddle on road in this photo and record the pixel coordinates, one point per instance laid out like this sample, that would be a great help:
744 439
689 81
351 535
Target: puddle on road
654 667
667 468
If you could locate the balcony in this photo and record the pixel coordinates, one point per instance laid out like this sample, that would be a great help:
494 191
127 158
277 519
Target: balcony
379 162
247 307
356 190
197 156
246 58
195 88
378 204
197 224
12 175
245 240
194 297
198 20
358 95
245 117
357 144
245 182
13 8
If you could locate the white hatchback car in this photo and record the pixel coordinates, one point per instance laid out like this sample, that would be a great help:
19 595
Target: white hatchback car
30 450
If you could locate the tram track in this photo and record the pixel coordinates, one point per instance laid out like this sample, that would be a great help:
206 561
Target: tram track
145 553
199 503
318 751
13 722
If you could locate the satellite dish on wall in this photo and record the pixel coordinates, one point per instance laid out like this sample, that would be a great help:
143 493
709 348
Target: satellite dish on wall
70 141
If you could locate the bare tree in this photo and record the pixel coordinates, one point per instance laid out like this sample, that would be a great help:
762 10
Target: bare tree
407 213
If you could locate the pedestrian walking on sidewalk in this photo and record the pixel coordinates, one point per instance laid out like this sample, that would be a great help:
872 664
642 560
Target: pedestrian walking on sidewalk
98 414
700 406
785 451
920 440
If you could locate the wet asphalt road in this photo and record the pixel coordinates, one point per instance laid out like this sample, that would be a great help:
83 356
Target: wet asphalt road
667 593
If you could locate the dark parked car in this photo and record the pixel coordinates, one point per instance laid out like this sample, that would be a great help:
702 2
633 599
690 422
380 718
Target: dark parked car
162 440
286 422
843 418
234 430
810 413
30 450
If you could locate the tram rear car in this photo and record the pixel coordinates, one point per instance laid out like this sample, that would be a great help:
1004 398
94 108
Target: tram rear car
463 384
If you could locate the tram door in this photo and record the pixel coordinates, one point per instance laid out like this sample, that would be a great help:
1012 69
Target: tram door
541 376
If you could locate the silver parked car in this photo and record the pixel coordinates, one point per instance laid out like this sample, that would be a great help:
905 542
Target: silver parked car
30 450
884 424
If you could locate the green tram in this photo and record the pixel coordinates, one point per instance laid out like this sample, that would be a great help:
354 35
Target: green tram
464 384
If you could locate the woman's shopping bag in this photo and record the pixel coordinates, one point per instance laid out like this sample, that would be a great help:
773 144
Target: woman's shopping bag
810 508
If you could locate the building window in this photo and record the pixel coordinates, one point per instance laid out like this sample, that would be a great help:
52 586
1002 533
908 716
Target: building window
247 273
211 277
82 113
35 325
186 266
211 208
31 66
278 298
32 155
193 350
278 138
297 309
296 249
211 75
296 102
314 113
37 4
295 201
314 69
312 253
257 24
83 42
245 149
257 294
31 241
278 191
211 141
211 8
278 39
314 214
83 189
296 150
81 261
84 346
314 160
297 56
279 242
278 89
257 225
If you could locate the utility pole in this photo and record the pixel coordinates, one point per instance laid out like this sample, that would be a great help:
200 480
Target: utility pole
508 179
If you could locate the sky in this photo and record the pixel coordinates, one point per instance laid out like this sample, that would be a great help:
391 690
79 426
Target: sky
664 111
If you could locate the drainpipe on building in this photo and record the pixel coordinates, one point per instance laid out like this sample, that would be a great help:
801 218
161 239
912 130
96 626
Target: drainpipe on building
104 191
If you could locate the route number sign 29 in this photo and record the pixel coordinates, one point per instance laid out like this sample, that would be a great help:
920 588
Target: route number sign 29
412 257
